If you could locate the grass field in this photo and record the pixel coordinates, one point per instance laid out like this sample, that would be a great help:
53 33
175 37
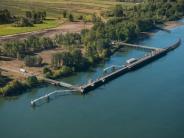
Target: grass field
54 8
9 29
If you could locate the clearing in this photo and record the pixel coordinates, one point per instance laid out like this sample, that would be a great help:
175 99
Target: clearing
71 27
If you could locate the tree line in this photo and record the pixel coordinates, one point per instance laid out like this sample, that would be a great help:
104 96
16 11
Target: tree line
68 39
6 17
25 49
29 19
19 49
73 59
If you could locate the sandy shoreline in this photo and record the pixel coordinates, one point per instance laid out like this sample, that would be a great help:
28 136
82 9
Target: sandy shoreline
172 24
167 26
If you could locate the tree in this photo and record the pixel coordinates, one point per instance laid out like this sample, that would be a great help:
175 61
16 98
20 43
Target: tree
33 61
47 43
24 22
118 11
44 15
29 14
5 16
64 14
46 70
32 81
70 17
145 24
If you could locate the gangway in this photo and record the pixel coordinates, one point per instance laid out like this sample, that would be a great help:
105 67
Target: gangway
135 46
47 96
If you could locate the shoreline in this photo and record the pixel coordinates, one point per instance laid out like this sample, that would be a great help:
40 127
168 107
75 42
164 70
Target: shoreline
172 24
167 26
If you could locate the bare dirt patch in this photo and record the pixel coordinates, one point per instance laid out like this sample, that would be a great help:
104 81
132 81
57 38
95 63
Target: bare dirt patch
70 27
12 68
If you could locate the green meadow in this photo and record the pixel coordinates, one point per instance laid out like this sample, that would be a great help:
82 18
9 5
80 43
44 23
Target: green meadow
9 29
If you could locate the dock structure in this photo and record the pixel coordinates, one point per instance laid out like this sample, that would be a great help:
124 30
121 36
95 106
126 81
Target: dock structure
48 96
119 43
153 55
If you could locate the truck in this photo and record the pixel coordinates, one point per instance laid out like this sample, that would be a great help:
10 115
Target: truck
22 70
129 61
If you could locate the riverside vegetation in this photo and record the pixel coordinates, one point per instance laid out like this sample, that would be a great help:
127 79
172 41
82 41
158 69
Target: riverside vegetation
17 87
92 46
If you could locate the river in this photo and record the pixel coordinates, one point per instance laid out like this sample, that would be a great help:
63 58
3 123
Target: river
146 103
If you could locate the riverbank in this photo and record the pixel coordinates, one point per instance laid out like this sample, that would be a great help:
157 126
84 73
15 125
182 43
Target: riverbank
17 87
172 24
167 26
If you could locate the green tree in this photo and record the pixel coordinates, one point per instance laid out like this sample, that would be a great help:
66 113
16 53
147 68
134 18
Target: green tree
33 61
118 11
70 17
5 16
32 81
24 22
64 14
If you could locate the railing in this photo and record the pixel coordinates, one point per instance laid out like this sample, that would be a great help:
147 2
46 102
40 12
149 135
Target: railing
135 46
47 96
113 67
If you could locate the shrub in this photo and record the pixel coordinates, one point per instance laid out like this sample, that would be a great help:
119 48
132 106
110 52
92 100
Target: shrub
24 22
32 81
13 88
70 17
